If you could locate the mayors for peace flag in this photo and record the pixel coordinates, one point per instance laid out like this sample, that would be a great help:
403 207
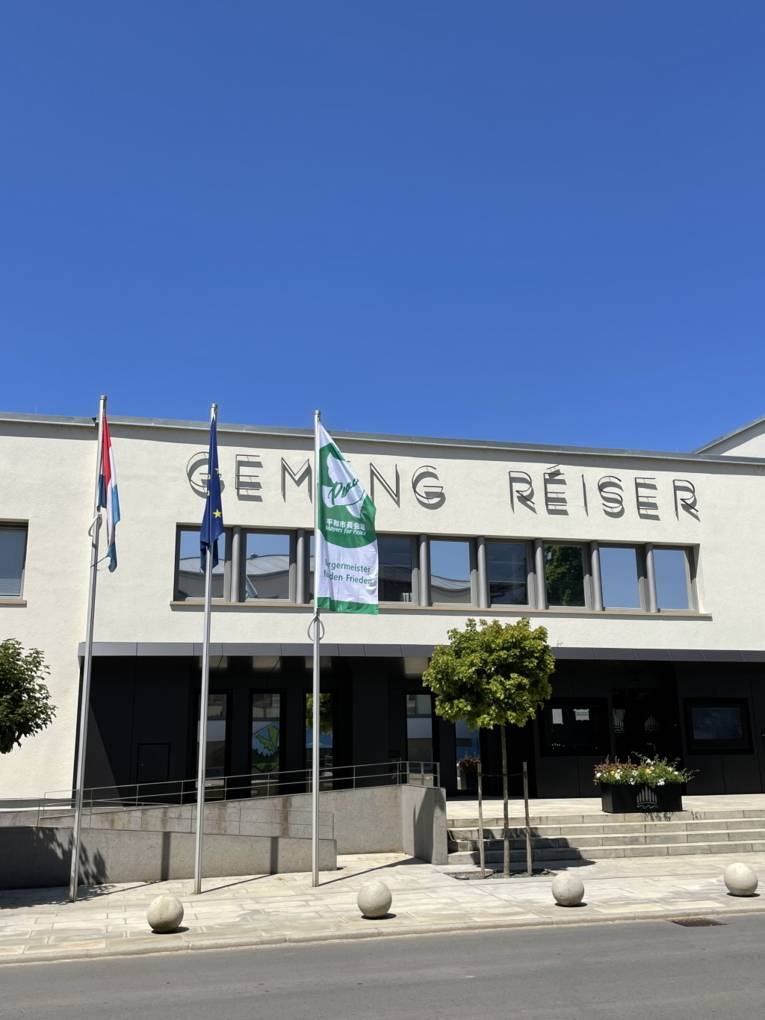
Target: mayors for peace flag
108 497
346 543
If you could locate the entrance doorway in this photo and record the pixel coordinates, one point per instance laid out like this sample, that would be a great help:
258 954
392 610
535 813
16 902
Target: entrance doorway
645 722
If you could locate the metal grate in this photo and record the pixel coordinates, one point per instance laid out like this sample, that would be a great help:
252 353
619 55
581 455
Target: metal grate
695 922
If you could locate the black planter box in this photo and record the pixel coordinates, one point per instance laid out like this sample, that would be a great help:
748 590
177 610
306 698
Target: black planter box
625 799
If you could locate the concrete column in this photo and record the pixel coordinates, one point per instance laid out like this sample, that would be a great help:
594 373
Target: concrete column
479 580
424 571
233 586
650 573
539 569
301 566
595 578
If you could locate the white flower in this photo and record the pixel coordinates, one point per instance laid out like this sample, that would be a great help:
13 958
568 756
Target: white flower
660 782
598 775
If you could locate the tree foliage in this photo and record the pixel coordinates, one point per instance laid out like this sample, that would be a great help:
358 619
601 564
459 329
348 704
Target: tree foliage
491 674
25 705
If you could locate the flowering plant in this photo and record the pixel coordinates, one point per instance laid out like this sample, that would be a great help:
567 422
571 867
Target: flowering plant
469 763
645 772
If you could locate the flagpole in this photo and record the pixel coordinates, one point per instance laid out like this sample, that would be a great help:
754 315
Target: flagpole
203 699
95 527
316 721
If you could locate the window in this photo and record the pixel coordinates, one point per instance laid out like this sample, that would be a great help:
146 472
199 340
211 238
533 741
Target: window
266 732
564 575
575 727
419 727
326 728
396 554
507 570
450 572
719 724
267 565
215 764
671 571
13 548
189 576
619 577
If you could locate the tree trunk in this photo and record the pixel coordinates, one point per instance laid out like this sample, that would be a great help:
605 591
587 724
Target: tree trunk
505 797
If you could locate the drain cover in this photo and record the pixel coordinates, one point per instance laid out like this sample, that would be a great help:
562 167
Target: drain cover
695 922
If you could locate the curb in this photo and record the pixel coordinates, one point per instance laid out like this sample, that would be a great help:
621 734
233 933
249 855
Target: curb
149 947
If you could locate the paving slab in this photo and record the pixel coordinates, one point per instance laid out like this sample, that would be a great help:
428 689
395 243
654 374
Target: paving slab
273 909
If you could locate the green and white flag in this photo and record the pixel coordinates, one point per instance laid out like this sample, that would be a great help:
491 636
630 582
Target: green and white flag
346 543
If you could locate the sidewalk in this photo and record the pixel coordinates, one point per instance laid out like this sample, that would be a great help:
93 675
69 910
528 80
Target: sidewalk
38 925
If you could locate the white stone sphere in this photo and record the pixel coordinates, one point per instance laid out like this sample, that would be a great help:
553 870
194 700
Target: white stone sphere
568 890
374 899
165 914
740 880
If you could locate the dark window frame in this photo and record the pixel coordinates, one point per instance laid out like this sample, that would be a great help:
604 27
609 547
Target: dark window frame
690 558
472 543
586 574
227 566
434 746
22 526
701 747
415 564
240 578
641 576
255 692
530 573
603 746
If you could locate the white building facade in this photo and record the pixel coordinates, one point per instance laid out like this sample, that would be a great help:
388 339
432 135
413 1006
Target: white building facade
645 567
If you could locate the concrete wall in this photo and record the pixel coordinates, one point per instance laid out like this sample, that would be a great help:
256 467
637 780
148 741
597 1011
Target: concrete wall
33 858
382 819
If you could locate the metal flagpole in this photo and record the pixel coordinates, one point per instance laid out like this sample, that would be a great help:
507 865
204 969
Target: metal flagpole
316 720
203 699
94 530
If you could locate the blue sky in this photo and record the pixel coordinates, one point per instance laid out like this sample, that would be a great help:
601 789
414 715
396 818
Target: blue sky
524 221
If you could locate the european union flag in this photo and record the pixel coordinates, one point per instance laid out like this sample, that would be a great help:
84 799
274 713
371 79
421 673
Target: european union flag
212 522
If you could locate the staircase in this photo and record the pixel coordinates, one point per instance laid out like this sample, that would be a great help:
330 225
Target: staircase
558 840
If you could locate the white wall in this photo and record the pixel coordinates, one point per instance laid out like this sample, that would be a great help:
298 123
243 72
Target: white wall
48 472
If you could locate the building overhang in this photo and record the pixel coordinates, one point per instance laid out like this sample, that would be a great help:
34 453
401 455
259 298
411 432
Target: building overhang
189 649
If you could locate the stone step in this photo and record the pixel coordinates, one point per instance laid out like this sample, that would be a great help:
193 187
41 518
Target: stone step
615 828
596 853
619 839
602 818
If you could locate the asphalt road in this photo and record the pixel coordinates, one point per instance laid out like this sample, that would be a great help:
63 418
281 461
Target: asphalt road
643 970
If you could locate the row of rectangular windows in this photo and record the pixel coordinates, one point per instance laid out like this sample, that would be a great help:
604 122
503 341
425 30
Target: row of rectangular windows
425 571
460 572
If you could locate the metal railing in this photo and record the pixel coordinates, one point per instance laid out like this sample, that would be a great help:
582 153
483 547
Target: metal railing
245 786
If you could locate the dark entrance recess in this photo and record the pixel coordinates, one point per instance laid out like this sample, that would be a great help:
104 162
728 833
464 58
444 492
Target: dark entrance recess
153 764
646 722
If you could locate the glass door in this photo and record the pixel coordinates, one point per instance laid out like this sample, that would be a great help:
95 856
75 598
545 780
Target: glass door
265 742
326 739
217 746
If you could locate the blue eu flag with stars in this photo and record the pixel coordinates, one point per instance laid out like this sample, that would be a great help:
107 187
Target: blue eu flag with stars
212 522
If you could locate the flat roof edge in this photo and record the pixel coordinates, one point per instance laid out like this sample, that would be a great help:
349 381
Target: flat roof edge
388 439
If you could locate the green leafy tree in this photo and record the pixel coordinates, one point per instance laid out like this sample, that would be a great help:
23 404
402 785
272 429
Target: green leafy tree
25 705
492 675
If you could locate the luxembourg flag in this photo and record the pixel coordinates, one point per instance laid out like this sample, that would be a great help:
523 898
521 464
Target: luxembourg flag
108 498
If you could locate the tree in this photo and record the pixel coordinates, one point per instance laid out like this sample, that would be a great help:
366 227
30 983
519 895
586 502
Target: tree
25 705
492 674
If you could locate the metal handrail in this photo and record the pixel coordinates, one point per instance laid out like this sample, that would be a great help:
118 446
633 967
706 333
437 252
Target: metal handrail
247 785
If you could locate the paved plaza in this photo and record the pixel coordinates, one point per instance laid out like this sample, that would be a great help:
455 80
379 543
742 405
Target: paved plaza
272 909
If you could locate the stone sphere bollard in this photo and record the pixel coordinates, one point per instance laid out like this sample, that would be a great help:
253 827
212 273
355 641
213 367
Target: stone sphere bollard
374 899
568 890
165 914
740 880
